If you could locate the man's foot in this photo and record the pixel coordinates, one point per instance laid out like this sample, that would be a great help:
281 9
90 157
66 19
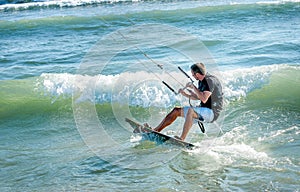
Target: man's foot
155 130
139 129
147 126
142 128
179 138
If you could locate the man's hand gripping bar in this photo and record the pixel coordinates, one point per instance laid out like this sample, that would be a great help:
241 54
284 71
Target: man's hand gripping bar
176 93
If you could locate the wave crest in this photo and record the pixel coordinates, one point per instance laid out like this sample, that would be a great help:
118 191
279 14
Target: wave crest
143 89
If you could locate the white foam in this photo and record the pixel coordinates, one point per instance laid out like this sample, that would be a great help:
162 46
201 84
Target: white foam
135 138
230 150
278 2
60 3
145 89
239 82
138 89
282 133
56 84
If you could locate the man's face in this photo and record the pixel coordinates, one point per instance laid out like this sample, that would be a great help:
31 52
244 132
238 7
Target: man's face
197 76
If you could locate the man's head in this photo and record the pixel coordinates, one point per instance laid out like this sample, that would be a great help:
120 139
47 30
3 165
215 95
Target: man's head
198 70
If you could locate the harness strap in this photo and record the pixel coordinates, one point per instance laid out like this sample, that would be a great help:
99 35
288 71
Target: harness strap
201 126
200 119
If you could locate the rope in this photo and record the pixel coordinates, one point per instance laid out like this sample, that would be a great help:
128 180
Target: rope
148 57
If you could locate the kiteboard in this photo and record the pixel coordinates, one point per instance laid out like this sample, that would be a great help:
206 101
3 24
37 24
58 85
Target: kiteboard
157 137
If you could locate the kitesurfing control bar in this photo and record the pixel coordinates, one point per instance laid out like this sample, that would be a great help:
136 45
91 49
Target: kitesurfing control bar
166 84
186 74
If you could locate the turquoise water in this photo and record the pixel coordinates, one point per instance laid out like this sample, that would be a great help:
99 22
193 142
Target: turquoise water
72 71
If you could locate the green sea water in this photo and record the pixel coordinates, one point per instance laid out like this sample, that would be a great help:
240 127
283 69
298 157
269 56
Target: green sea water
62 129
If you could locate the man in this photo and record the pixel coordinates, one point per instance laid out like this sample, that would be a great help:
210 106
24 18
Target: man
209 92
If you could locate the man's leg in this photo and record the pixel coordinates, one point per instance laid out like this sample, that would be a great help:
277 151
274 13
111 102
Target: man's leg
170 118
188 123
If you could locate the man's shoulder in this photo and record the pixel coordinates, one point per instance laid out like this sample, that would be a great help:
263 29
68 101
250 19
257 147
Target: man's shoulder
213 82
211 78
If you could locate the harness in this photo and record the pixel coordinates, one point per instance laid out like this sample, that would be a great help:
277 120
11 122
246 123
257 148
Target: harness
200 118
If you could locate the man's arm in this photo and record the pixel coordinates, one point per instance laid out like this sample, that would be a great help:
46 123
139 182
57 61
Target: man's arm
203 96
195 93
191 94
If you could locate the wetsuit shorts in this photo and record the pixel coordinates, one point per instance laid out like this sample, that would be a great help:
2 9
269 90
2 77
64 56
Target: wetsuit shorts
207 114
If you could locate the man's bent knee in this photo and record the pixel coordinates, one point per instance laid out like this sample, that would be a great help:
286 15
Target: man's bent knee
192 113
178 111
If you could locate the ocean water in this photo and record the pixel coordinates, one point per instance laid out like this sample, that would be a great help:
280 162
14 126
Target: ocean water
71 71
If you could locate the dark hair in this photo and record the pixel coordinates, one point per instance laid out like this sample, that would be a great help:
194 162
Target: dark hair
199 68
